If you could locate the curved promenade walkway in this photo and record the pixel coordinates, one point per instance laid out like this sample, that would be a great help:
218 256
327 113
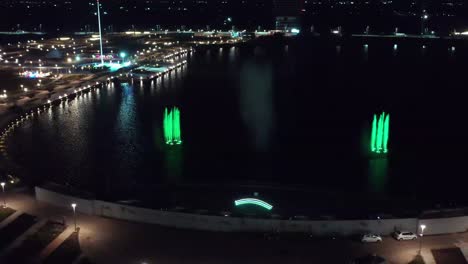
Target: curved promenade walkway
105 240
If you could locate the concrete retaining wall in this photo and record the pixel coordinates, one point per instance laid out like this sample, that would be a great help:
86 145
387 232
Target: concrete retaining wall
445 225
83 205
233 224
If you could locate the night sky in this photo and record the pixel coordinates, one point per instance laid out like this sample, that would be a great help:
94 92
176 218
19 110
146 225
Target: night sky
74 15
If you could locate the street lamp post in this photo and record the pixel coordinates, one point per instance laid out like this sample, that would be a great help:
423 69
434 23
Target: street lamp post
73 205
100 32
3 194
424 18
421 234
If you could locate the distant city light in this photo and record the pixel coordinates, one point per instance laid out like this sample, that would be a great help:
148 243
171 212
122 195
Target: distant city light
295 31
105 57
112 66
133 33
35 74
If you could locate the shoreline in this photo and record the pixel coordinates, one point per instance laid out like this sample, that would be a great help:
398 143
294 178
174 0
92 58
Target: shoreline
32 103
17 108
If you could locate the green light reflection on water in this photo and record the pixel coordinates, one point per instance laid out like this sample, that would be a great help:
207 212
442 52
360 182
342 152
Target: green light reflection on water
378 174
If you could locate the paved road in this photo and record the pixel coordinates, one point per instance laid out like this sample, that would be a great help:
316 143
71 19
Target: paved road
113 241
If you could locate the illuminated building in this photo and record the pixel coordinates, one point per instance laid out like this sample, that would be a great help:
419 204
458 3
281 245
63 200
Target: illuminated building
287 14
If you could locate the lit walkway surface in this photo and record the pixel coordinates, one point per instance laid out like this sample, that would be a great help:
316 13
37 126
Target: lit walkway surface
103 240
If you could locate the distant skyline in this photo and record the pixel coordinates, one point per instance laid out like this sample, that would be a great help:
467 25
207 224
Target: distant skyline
73 15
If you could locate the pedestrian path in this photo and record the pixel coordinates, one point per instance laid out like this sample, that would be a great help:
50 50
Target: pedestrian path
104 240
56 243
463 248
10 219
33 229
427 256
79 259
31 207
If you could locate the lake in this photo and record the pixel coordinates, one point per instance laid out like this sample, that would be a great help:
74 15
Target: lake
288 119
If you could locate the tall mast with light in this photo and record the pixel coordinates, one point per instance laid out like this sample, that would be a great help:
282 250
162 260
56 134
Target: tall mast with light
100 32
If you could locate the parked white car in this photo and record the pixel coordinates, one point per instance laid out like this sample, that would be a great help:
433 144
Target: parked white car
404 235
371 238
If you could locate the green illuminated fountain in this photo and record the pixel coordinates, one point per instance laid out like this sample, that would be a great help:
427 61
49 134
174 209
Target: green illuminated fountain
171 123
380 133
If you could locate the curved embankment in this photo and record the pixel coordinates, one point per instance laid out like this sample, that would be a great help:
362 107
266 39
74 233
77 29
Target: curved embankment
12 120
223 223
239 224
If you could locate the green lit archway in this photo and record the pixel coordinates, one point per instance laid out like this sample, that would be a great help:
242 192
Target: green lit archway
253 201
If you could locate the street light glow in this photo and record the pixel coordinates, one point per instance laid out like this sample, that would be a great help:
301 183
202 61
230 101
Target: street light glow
74 215
422 233
3 194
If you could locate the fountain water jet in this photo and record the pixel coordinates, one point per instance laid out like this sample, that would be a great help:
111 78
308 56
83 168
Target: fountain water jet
380 133
171 123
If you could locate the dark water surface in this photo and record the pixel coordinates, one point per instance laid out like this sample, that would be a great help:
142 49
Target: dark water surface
284 115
